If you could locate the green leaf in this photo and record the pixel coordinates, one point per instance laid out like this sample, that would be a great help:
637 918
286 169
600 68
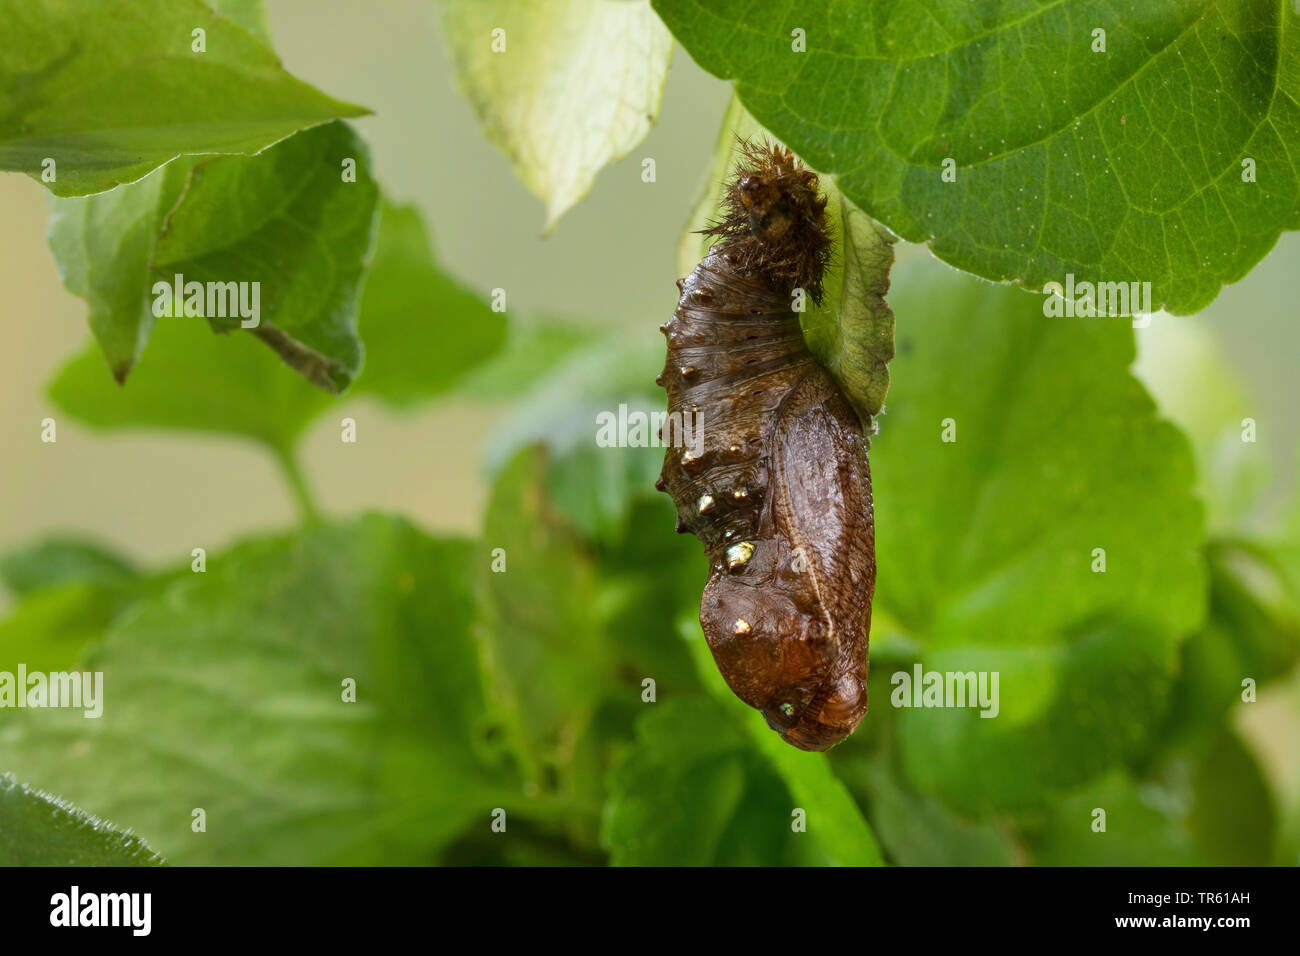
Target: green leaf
560 409
1143 827
649 578
681 751
289 220
987 544
48 630
228 383
565 411
1257 602
249 14
58 561
284 219
1209 806
102 245
531 351
1253 632
918 831
575 84
37 829
852 331
227 693
70 592
1122 165
423 330
570 628
605 495
113 92
539 634
596 487
834 820
1184 367
693 793
1231 814
193 380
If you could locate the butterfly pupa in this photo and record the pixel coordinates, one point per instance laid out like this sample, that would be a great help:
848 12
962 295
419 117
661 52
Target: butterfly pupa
779 489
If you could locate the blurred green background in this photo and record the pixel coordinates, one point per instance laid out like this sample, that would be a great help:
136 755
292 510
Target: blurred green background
609 264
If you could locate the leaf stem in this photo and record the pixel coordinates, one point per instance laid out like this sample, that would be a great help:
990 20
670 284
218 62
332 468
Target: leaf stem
308 513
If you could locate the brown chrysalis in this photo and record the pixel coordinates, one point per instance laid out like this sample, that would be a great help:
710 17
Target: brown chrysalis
779 490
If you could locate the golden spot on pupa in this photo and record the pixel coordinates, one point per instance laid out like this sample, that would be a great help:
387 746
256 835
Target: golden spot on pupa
741 627
739 554
706 504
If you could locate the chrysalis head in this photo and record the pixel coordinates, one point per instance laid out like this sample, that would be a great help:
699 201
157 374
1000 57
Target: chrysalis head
774 220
